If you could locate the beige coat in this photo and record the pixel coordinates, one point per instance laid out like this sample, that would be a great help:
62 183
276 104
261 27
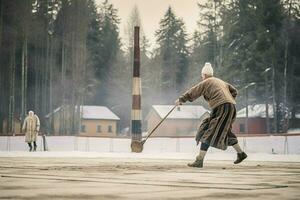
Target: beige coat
31 126
215 91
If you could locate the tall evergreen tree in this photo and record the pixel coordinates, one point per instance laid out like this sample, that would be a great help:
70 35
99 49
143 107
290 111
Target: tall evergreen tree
109 46
292 59
172 53
207 36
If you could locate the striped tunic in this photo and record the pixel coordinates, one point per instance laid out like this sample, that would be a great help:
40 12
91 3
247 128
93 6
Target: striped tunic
216 130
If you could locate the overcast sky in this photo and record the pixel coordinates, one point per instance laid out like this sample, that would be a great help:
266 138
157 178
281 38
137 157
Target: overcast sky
151 11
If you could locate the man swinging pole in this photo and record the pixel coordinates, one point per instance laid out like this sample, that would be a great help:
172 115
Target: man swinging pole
214 131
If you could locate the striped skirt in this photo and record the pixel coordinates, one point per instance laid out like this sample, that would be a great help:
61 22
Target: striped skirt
216 130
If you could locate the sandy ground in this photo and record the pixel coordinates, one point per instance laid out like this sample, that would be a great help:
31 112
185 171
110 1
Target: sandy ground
36 178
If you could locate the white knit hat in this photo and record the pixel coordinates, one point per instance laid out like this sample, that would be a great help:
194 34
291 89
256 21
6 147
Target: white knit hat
30 113
207 69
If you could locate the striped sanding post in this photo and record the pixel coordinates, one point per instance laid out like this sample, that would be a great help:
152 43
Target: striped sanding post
136 112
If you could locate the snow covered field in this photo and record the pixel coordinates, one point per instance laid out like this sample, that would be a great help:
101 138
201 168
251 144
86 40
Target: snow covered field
266 144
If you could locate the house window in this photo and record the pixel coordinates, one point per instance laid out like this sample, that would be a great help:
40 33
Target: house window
110 129
242 128
99 129
83 128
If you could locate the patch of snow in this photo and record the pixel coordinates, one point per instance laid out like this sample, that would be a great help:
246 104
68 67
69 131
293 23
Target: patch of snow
294 130
181 112
261 144
92 112
97 112
258 110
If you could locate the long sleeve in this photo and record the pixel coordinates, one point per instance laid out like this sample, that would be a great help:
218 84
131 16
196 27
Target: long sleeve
232 90
37 123
193 93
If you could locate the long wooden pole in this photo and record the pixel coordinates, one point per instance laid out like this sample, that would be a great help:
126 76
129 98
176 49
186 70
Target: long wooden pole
136 113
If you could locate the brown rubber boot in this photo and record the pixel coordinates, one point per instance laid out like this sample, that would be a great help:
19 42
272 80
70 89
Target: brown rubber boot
240 157
197 163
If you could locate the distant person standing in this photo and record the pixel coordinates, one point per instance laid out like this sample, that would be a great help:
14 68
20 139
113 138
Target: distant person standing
31 126
215 131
